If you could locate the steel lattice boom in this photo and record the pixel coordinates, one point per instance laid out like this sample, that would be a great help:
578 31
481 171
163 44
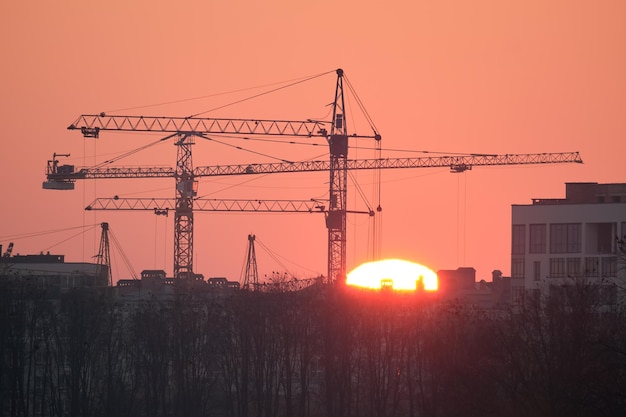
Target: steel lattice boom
91 125
63 177
165 205
455 163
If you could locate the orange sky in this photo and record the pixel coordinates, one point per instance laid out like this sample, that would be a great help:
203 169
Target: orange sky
447 76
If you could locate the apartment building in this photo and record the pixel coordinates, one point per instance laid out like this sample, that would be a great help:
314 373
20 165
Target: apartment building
579 238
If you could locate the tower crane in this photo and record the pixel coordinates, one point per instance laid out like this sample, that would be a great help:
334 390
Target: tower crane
104 253
251 277
186 129
65 177
7 254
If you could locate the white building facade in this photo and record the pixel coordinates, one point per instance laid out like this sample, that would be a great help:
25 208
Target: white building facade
557 242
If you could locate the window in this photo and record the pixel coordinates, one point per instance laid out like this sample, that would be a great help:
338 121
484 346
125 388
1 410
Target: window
573 267
517 267
537 270
537 238
592 266
557 268
517 295
600 237
609 266
565 238
518 245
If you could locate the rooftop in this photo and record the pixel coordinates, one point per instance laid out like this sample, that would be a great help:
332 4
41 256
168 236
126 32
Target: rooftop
588 193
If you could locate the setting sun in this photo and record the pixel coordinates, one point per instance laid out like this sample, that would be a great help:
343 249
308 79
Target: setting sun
396 274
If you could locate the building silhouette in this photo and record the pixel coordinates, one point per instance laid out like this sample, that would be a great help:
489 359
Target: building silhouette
51 271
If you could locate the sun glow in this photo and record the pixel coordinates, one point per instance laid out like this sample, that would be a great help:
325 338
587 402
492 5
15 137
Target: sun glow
396 274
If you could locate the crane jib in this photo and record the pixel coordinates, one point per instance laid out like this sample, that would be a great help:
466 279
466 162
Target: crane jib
91 125
455 163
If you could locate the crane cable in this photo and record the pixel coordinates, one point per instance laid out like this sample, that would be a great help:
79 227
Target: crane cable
84 229
133 151
376 218
267 140
276 257
208 96
300 81
211 139
361 106
425 152
45 232
360 191
244 149
118 246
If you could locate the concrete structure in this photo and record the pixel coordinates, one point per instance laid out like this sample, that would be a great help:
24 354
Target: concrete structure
52 271
154 284
460 286
559 242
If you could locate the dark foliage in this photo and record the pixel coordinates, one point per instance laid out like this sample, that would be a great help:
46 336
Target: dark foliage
323 351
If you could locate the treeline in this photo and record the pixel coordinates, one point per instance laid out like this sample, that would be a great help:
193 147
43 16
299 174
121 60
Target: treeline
324 351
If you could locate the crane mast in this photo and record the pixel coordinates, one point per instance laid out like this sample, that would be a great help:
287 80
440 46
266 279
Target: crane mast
336 216
186 191
251 277
104 253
